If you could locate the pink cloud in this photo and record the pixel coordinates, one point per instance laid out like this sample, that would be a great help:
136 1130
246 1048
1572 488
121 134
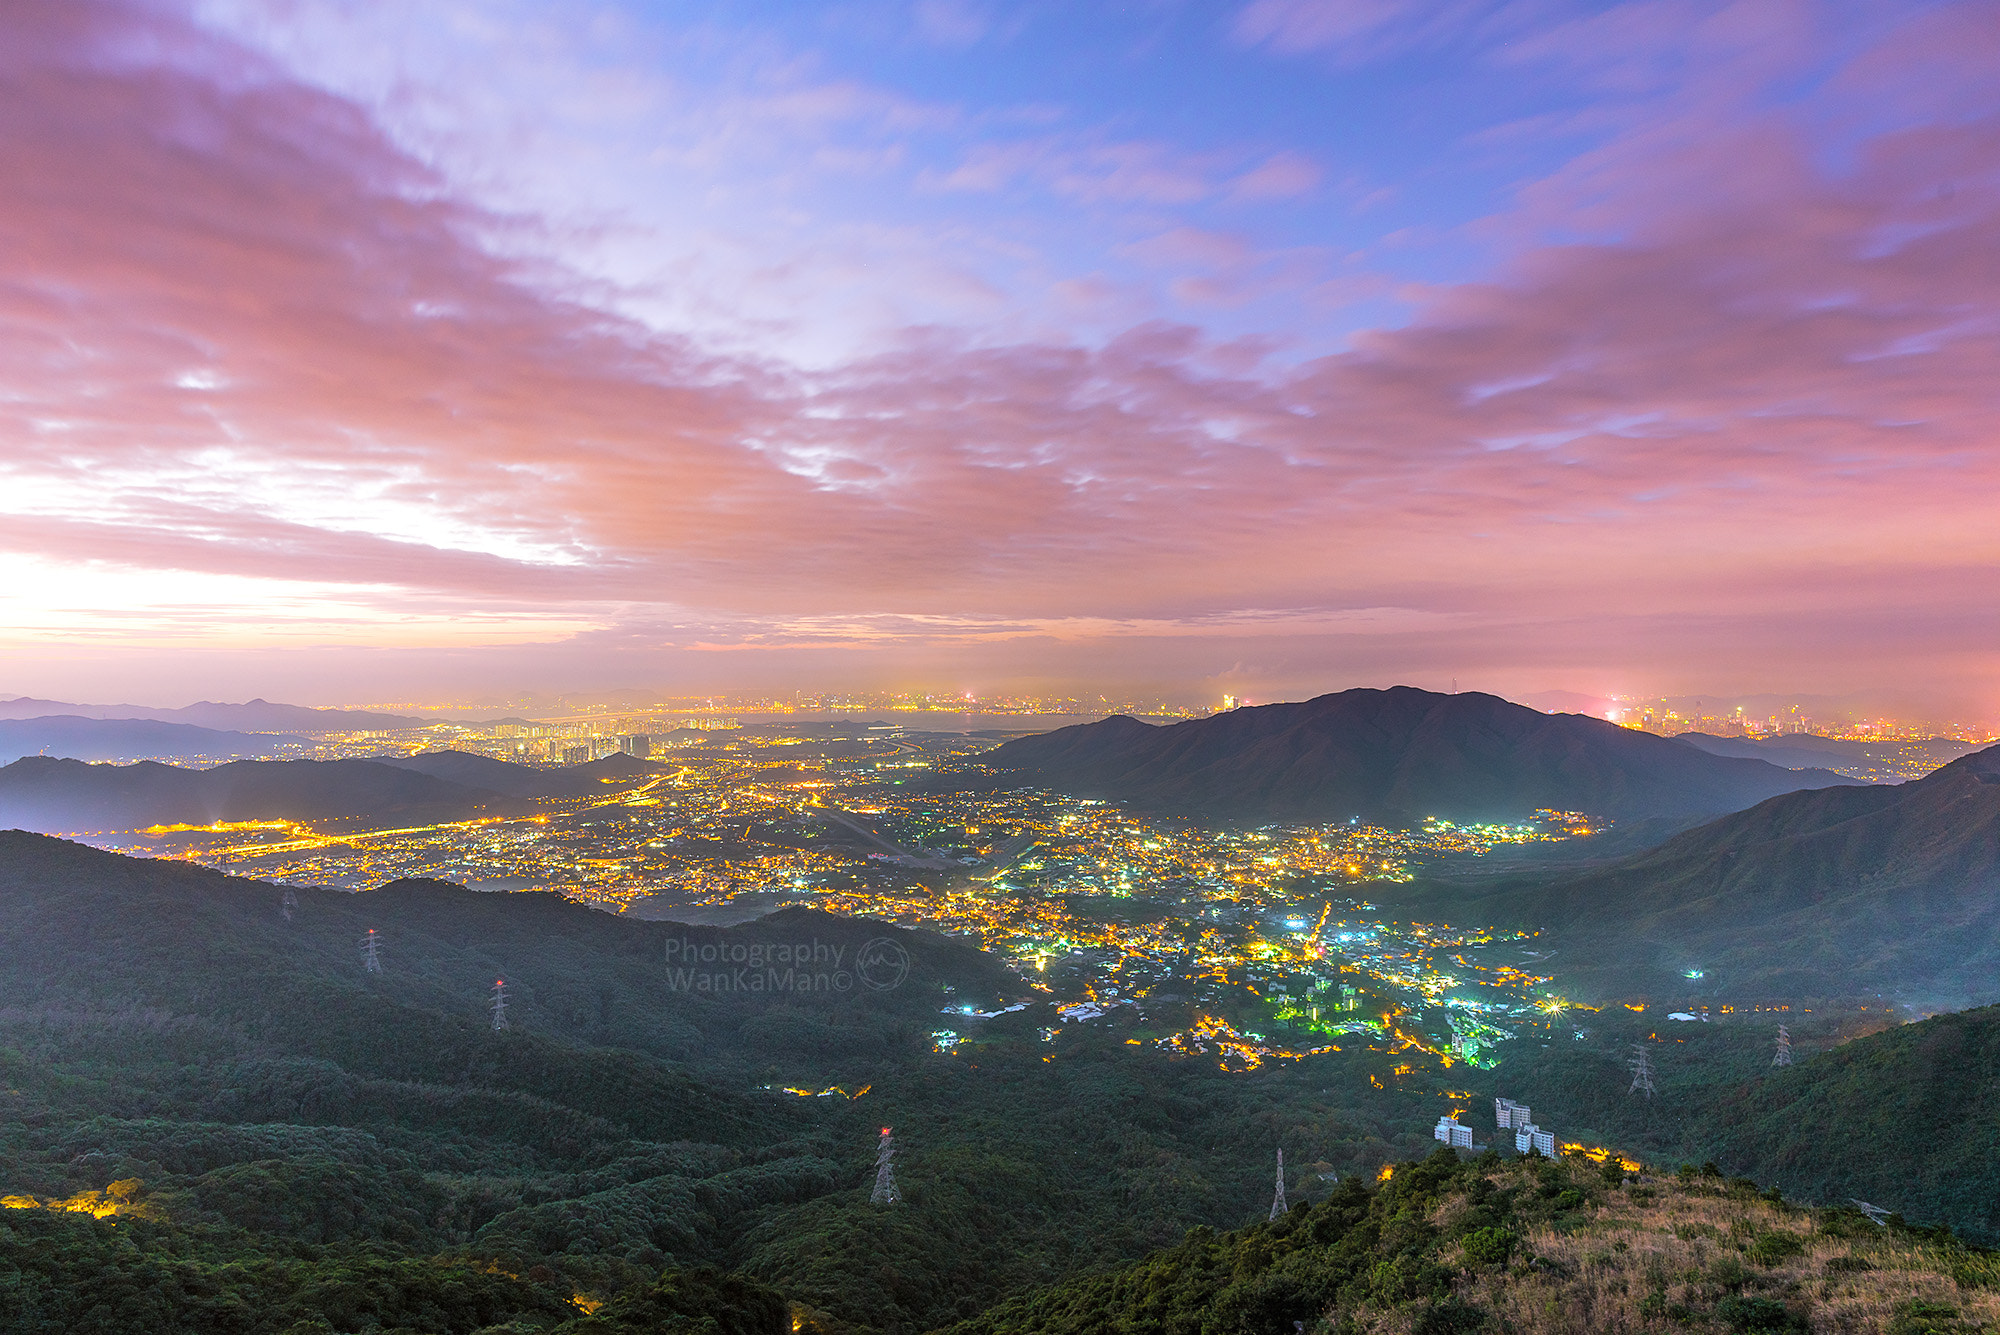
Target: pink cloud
1356 30
1086 168
241 332
1280 176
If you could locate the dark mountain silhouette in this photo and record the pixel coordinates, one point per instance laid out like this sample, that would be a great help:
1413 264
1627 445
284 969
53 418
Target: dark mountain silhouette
251 716
504 776
48 795
620 766
1394 756
1841 890
86 925
123 739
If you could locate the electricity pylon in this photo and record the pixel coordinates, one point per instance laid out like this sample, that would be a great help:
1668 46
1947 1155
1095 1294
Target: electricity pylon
885 1192
1783 1056
1642 1071
370 962
1278 1205
291 902
499 1003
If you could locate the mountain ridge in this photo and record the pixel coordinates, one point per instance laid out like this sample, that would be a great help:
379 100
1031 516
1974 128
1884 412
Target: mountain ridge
47 795
1893 888
257 715
520 781
1394 756
73 737
1842 756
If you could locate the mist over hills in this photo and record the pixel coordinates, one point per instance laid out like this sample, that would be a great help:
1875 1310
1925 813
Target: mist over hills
78 738
1832 891
250 716
1395 756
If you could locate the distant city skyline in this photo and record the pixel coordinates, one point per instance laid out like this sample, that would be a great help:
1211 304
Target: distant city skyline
357 351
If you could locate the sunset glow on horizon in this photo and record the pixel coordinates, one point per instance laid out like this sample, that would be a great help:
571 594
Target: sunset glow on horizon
358 352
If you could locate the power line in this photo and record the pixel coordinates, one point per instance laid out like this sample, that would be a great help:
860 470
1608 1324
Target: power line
1642 1071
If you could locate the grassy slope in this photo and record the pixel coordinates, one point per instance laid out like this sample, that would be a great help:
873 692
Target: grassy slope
1530 1247
1908 1117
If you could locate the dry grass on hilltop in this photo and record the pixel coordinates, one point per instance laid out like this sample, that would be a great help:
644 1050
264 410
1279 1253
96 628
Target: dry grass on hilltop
1679 1255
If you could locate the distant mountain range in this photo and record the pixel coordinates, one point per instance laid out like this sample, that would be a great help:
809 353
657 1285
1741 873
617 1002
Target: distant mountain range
1835 891
47 795
1861 760
1395 756
523 781
124 739
251 716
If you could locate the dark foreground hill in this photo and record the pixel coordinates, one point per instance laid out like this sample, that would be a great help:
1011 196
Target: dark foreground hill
44 794
213 1119
1395 757
1838 891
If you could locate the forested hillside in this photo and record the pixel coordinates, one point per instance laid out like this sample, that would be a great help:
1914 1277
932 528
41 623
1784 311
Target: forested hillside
213 1118
268 1131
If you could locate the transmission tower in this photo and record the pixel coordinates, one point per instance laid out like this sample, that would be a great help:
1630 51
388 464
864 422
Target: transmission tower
885 1192
291 902
1642 1071
499 1003
1783 1056
370 962
1278 1205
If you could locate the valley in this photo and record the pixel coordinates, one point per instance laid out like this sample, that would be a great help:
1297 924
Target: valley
1091 1026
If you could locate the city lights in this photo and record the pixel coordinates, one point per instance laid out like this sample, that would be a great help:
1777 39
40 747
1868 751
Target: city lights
1239 946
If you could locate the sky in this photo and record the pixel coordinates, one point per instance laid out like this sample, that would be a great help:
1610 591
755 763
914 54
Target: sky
356 351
